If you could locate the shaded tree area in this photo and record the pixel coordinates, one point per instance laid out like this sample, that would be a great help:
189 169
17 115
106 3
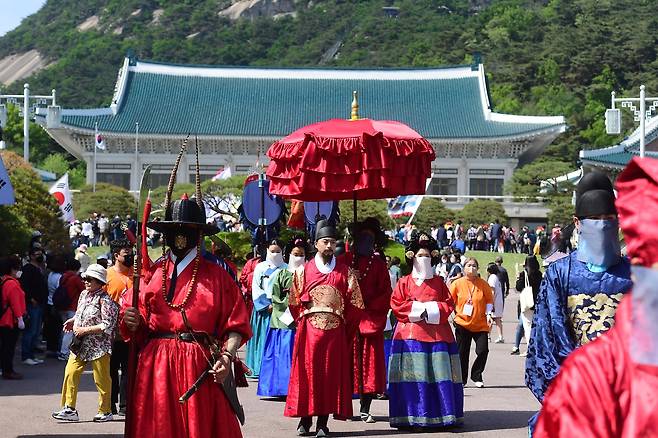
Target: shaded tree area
35 209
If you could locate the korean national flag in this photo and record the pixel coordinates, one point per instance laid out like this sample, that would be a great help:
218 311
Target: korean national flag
99 140
60 190
6 189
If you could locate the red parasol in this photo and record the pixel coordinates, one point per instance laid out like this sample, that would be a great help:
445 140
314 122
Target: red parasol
350 159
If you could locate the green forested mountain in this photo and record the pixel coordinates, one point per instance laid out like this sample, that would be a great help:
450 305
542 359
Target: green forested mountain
555 57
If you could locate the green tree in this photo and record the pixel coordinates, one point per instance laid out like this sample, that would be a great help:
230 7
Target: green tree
561 210
376 208
35 209
432 212
107 199
481 211
15 229
55 163
526 181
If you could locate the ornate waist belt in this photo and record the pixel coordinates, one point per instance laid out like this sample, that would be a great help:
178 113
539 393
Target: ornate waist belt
202 338
322 309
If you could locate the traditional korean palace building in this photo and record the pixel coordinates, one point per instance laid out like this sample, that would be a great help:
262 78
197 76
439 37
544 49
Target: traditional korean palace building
237 112
613 159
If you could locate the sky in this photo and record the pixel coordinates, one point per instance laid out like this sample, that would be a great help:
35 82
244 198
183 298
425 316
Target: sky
13 11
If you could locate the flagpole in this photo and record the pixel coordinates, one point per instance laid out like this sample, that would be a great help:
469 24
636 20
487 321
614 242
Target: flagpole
95 146
137 151
427 186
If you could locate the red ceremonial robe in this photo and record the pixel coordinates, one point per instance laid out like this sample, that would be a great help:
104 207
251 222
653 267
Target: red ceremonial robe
406 293
320 375
600 392
375 285
168 367
246 279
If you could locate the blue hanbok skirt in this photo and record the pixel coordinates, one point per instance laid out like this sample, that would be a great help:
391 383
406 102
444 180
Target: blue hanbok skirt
425 384
260 323
275 367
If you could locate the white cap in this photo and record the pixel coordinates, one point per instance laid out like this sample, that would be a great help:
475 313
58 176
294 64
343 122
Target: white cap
97 272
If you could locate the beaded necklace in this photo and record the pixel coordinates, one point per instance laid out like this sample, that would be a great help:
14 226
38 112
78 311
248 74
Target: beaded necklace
192 288
362 276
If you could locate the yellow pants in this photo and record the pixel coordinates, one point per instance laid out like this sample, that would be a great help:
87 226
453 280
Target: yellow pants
101 369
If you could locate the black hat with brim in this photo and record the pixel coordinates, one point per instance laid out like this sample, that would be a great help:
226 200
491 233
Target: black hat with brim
183 213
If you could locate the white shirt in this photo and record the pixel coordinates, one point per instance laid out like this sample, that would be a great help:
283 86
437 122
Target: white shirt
324 269
102 224
183 263
87 229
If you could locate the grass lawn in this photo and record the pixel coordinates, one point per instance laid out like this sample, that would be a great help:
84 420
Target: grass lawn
512 262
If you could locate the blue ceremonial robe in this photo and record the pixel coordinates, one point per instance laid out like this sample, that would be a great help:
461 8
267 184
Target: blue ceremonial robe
261 288
574 306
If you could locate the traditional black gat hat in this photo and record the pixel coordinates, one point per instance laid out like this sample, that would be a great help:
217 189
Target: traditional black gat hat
324 229
181 213
595 196
184 212
370 224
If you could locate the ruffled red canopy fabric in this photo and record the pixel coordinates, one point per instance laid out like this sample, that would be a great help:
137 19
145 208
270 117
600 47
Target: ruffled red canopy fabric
637 204
338 159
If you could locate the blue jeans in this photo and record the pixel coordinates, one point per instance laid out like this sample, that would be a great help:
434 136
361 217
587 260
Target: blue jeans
31 332
519 334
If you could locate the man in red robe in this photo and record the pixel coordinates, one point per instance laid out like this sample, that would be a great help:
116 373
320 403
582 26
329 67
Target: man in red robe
368 364
190 305
608 387
326 301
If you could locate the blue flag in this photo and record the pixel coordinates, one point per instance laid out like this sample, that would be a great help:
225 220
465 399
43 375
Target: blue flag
6 189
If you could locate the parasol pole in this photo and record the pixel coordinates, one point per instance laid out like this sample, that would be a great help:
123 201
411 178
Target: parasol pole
359 341
261 219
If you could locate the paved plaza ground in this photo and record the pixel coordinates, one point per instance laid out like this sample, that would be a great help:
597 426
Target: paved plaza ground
501 409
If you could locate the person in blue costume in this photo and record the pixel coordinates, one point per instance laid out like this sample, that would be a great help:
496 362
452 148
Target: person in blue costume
579 294
277 357
261 291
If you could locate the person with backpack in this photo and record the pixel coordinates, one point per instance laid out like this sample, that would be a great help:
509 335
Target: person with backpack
65 301
12 309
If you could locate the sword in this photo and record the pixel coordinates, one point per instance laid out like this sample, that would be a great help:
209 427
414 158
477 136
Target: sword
229 388
228 385
137 267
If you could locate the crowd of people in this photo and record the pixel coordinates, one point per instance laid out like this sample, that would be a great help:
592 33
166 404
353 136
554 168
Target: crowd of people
493 237
99 230
312 311
62 311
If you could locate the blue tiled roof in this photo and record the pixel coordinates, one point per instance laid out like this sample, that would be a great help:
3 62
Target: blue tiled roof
274 107
621 154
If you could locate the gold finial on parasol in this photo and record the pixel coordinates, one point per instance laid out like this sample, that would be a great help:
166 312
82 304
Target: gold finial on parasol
355 106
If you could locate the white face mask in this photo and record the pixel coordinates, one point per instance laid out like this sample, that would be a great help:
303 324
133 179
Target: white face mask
18 274
275 258
295 262
422 268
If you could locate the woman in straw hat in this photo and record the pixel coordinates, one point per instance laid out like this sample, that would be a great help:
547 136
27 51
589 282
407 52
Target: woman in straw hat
93 326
